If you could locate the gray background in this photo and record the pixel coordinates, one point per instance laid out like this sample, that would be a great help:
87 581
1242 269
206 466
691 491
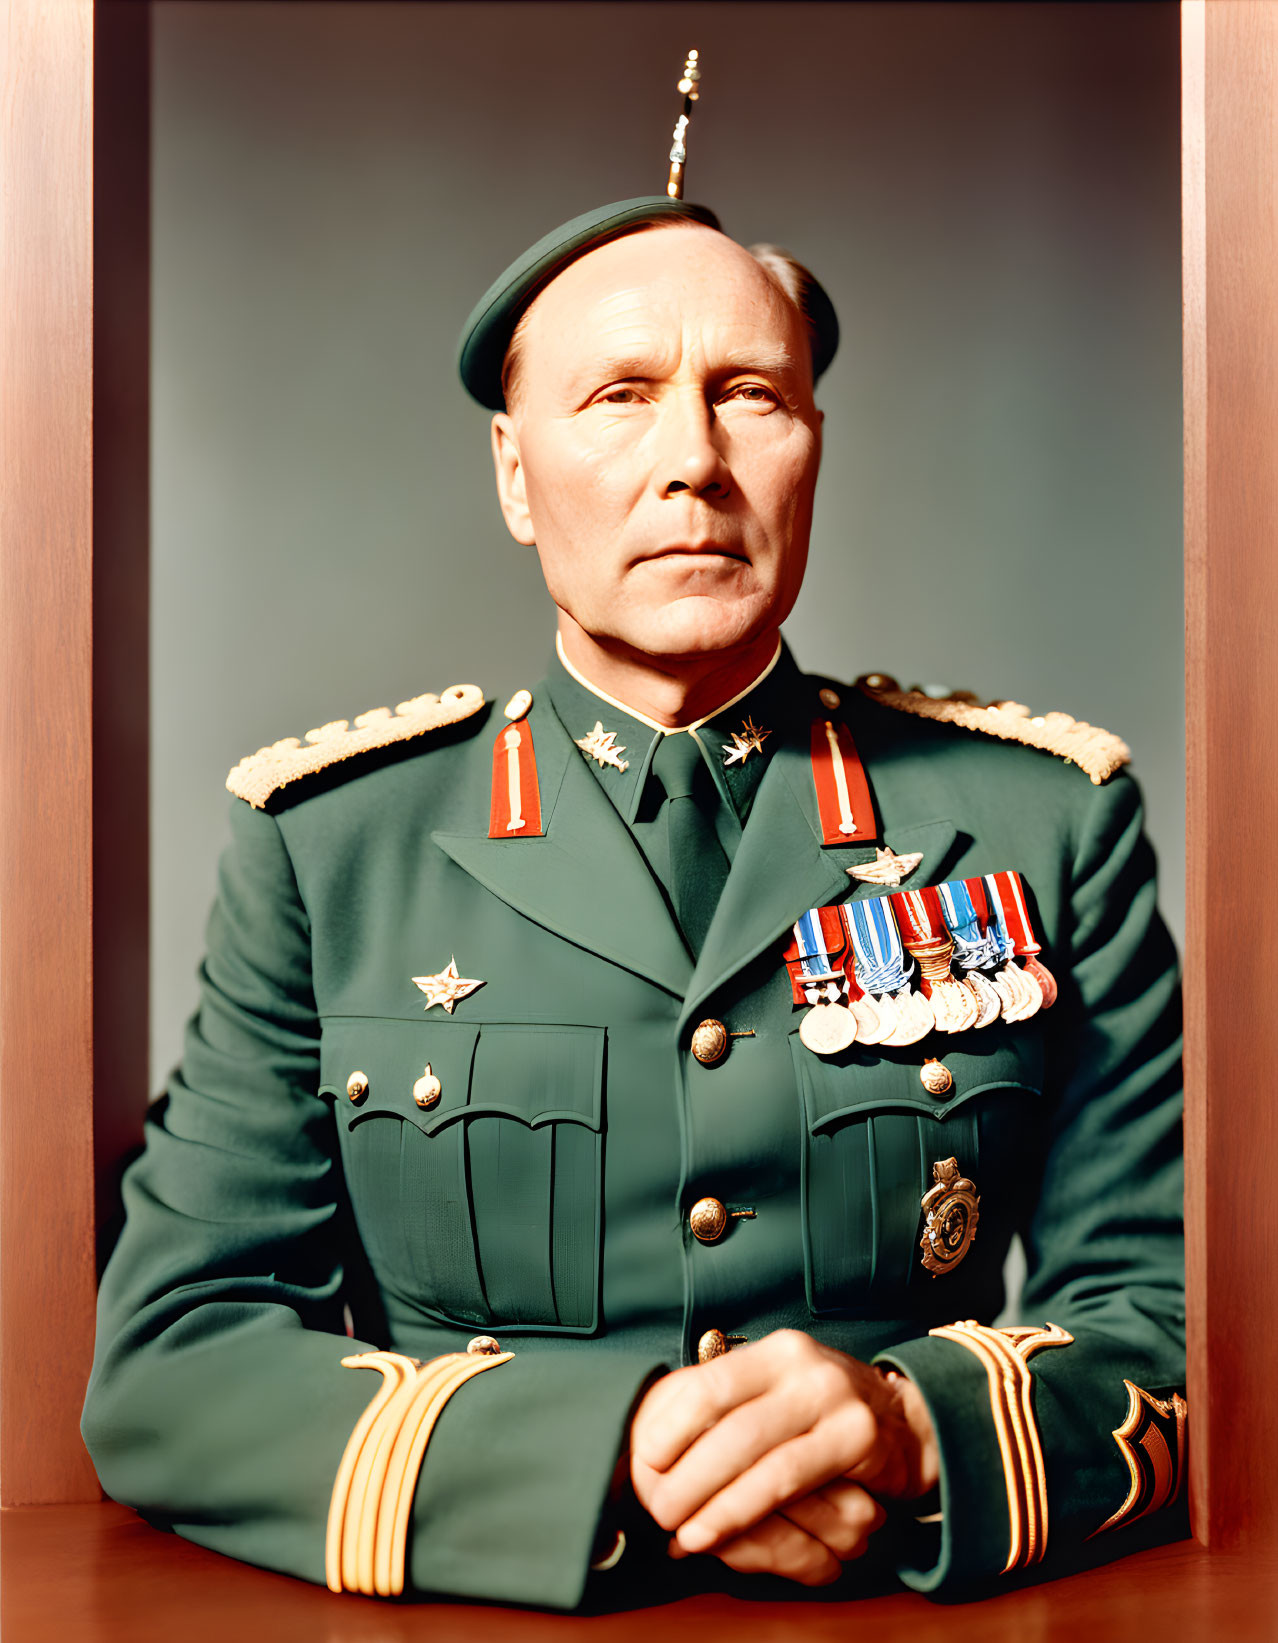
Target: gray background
989 192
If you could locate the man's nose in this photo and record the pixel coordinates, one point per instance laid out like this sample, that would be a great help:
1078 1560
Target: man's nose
690 458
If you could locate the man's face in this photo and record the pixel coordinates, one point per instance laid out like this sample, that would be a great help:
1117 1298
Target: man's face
663 447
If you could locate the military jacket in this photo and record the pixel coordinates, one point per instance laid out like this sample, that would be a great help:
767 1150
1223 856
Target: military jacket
276 1225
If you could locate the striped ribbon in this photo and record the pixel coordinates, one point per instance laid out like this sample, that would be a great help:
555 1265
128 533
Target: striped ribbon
881 964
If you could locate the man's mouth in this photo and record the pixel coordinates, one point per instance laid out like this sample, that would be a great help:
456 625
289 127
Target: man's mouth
697 550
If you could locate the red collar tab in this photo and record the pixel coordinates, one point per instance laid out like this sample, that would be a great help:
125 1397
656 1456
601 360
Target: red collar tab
843 794
515 812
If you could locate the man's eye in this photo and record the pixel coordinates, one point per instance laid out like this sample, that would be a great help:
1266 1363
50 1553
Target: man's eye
753 393
619 396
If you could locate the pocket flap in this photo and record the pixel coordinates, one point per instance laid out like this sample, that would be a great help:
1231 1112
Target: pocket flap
533 1073
875 1077
536 1073
393 1055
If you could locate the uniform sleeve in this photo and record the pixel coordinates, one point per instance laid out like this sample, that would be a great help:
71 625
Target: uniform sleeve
1057 1436
218 1405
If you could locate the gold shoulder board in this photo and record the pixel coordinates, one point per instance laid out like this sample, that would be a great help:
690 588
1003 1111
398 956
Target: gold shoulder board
262 773
1098 752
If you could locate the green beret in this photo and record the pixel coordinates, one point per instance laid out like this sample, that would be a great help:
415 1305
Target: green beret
487 333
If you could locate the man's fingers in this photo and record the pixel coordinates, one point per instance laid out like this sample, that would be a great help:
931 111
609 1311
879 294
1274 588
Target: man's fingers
784 1473
779 1547
842 1516
722 1454
684 1404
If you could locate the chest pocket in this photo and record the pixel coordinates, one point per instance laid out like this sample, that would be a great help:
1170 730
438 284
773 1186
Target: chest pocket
483 1208
871 1134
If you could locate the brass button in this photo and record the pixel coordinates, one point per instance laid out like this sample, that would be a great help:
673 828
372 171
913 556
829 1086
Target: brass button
427 1090
357 1086
878 681
829 698
519 704
707 1218
483 1346
936 1077
710 1042
714 1343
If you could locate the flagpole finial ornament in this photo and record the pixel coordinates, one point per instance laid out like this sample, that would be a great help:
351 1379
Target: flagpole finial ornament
690 86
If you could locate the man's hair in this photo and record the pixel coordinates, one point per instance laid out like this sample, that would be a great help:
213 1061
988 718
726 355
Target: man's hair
787 273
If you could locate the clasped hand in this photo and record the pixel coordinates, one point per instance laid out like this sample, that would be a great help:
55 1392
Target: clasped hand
775 1457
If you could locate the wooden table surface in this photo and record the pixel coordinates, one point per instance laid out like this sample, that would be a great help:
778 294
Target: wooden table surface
97 1574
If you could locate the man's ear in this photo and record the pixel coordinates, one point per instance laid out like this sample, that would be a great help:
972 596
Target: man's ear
511 492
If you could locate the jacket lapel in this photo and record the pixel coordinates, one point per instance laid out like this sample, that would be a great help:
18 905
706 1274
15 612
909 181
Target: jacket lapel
585 878
781 869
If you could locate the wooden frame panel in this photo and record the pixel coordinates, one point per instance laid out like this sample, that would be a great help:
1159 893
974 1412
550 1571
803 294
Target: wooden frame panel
73 697
46 774
1230 180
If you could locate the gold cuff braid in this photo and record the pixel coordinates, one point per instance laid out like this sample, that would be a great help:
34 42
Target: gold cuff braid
1005 1354
371 1505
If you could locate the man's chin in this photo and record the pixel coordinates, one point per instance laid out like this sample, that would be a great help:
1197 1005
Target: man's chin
697 626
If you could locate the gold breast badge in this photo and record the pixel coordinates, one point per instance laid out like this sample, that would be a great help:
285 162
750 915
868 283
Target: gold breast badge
601 746
446 988
749 739
887 867
951 1214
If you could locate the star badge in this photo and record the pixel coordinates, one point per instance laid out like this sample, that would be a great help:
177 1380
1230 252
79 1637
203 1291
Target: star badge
887 867
749 739
601 746
446 988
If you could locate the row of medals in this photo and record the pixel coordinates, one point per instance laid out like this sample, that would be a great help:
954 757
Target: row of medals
956 1005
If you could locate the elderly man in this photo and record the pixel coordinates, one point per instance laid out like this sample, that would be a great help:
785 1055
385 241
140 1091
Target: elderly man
630 1072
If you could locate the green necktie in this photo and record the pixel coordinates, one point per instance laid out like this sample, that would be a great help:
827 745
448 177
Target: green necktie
698 865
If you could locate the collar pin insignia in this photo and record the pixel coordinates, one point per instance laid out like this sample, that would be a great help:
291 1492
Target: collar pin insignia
446 988
749 739
601 746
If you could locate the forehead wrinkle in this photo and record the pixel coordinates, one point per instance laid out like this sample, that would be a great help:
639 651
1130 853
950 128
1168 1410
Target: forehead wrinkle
647 326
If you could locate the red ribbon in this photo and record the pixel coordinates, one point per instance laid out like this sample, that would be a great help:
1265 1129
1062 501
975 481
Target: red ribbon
1011 890
1011 893
920 915
835 936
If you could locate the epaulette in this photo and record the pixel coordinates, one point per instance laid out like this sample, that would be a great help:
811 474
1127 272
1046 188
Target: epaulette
262 773
1098 752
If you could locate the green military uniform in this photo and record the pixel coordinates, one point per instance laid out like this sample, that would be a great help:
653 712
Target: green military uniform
544 1194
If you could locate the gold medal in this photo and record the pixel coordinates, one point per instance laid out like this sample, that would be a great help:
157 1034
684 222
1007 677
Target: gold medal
828 1028
1020 996
889 1014
953 1005
987 999
951 1214
870 1026
930 944
914 1018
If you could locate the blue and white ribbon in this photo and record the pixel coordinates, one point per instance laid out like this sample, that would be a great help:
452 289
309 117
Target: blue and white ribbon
972 949
813 953
881 964
998 924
